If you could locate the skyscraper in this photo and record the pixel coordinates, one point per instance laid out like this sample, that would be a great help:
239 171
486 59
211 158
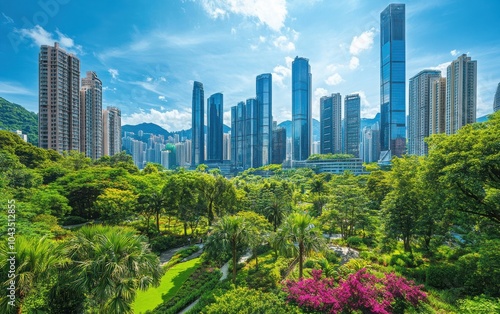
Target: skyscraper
437 112
91 116
461 87
392 85
496 101
331 124
301 109
279 145
420 110
352 118
215 117
238 120
59 99
264 93
198 125
251 147
111 131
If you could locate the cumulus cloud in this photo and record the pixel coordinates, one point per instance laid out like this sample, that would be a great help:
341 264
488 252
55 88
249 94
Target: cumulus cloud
454 52
354 63
173 120
281 72
334 79
227 118
114 73
362 42
162 98
441 67
284 44
42 37
271 13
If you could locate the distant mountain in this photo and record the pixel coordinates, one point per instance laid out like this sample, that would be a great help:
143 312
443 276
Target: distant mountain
287 124
146 128
369 122
15 117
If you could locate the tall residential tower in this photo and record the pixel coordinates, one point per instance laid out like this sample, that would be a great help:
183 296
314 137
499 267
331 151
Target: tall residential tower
111 131
91 116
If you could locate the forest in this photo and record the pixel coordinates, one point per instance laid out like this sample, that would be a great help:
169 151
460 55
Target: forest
86 236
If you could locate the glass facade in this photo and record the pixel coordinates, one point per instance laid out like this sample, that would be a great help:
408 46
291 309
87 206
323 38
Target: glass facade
496 101
392 80
264 92
251 157
215 134
301 109
197 127
331 124
352 120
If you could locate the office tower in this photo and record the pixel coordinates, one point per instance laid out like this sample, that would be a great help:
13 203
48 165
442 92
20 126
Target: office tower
264 94
301 109
331 124
197 126
238 120
59 99
91 116
226 148
461 87
370 144
138 153
215 117
420 110
392 85
496 101
111 131
251 150
279 145
437 112
352 118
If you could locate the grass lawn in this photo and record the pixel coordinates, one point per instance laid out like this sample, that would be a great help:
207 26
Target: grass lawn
170 283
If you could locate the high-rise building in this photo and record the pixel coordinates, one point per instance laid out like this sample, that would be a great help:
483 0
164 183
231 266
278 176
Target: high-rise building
437 112
112 130
301 109
264 94
59 99
91 116
392 84
352 118
331 124
198 125
215 112
279 145
461 97
226 148
251 149
370 144
496 101
238 121
420 110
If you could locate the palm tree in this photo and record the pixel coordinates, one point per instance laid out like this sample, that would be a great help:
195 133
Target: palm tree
110 264
35 261
299 236
229 233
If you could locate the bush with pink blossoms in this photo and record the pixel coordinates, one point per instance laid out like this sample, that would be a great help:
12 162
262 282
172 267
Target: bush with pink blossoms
360 291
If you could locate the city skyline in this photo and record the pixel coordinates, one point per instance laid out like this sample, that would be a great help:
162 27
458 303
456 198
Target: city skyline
148 68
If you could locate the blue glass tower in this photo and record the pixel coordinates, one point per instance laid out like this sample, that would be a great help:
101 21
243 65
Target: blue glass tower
301 109
215 130
352 105
392 80
330 124
264 93
197 127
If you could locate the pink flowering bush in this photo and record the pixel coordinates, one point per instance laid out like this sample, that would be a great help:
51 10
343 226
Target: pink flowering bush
360 291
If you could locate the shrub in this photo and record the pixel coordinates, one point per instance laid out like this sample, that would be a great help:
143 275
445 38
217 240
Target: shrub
479 305
163 243
442 276
354 241
73 220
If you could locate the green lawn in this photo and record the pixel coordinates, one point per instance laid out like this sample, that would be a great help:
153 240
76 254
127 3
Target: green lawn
170 283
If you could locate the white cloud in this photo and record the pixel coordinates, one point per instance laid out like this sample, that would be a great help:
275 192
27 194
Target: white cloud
8 19
271 13
362 42
106 88
172 120
233 31
149 79
354 63
441 67
227 118
14 88
162 79
334 79
284 44
41 37
318 93
162 98
262 39
114 73
367 109
454 52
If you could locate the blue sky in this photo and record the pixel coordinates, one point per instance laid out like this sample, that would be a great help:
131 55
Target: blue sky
148 53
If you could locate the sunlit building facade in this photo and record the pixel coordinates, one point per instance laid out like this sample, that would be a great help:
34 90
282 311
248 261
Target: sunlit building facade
301 109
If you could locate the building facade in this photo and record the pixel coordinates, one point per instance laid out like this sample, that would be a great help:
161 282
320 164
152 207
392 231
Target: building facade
496 101
419 120
111 131
331 124
58 99
215 112
352 118
461 93
279 145
437 111
264 95
198 125
301 109
251 147
393 78
91 116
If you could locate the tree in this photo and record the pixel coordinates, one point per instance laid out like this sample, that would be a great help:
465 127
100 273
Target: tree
299 236
109 264
258 229
273 200
318 191
115 205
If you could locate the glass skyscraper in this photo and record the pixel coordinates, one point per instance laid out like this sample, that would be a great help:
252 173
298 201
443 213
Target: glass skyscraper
331 124
215 127
496 101
197 127
352 118
301 109
392 80
264 93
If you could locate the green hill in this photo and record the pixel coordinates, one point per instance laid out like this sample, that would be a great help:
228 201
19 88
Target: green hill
15 117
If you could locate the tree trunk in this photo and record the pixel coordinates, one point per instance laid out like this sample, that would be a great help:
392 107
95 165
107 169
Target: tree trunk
301 258
256 259
185 229
233 244
158 221
406 242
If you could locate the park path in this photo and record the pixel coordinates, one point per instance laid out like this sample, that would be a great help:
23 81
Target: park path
165 256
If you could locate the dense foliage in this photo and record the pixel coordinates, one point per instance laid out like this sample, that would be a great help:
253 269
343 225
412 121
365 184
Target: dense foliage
16 117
